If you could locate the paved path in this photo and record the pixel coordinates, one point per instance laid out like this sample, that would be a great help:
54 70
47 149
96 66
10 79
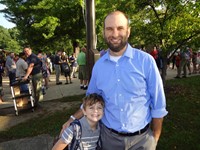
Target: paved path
44 142
54 91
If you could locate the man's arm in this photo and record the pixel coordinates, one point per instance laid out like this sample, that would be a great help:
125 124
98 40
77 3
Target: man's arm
157 127
29 70
77 115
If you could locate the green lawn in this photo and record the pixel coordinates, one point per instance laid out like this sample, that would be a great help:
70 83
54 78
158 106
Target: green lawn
181 127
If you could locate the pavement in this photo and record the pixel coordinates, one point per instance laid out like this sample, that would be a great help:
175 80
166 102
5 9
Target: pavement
44 142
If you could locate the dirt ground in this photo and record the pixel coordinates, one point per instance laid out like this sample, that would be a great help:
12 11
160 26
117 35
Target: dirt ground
9 119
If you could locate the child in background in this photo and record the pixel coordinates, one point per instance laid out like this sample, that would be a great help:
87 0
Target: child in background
66 71
1 87
93 106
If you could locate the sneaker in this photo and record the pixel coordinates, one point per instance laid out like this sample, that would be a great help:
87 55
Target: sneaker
66 83
81 87
184 76
85 88
58 83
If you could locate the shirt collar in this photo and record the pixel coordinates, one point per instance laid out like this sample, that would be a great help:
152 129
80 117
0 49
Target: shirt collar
128 53
86 124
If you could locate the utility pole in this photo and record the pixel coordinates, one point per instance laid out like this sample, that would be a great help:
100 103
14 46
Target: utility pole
92 53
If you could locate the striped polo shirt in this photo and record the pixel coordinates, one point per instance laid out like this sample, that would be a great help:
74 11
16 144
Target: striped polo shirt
89 137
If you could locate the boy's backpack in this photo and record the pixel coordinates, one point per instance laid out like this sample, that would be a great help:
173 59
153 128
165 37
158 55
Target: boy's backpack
65 67
75 143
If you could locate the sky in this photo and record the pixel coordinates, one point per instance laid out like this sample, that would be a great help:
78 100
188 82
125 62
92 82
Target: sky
3 21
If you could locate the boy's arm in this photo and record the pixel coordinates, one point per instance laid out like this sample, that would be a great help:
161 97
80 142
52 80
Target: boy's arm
59 145
77 115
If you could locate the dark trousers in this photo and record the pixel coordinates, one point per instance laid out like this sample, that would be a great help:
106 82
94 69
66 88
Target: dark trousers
12 77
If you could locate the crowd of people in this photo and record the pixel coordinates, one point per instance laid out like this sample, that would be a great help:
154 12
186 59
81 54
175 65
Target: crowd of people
38 67
187 62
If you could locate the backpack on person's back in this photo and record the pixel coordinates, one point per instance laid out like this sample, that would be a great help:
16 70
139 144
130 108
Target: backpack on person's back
76 140
65 67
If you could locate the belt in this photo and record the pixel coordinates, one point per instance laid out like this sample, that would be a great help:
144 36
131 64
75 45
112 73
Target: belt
130 134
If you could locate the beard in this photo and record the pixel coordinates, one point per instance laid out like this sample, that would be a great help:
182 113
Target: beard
117 47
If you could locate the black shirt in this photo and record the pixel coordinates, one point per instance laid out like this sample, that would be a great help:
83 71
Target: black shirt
37 63
57 60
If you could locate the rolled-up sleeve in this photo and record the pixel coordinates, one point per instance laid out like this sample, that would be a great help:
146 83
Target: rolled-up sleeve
157 94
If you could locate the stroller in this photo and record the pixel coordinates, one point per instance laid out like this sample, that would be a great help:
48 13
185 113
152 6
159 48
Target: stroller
22 95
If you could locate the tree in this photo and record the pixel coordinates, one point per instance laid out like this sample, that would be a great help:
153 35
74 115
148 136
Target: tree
42 23
169 24
7 42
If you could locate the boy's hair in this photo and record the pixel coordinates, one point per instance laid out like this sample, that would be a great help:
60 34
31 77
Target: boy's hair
92 99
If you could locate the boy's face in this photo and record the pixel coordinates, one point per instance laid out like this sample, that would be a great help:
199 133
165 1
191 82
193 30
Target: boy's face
94 112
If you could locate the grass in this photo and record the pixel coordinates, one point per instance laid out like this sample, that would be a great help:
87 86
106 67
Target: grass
181 126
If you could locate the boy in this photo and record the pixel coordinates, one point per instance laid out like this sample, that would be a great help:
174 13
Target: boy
66 70
93 105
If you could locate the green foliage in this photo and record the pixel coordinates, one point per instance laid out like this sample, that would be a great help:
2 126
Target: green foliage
169 24
182 123
8 40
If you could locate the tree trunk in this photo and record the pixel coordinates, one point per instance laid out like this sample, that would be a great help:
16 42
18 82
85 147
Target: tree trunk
164 70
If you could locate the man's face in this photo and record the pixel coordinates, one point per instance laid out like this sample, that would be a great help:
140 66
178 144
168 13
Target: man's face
27 51
116 32
12 55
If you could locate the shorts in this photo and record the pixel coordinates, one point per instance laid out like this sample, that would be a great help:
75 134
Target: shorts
83 73
67 73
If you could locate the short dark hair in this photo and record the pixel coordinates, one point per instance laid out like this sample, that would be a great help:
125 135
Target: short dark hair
26 46
21 54
92 99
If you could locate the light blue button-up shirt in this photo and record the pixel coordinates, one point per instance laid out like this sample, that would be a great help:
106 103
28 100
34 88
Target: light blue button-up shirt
132 89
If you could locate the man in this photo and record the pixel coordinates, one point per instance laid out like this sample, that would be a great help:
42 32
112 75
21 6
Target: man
21 66
11 67
34 69
82 73
129 81
57 63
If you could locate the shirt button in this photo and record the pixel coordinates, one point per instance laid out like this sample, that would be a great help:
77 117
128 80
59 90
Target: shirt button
118 80
122 110
123 125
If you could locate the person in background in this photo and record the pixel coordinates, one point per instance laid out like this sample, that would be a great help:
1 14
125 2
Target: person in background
21 66
45 71
57 66
34 70
11 67
93 105
194 62
21 70
66 70
83 74
73 65
129 81
1 82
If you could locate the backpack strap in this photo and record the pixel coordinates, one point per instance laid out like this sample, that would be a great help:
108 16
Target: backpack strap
77 132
